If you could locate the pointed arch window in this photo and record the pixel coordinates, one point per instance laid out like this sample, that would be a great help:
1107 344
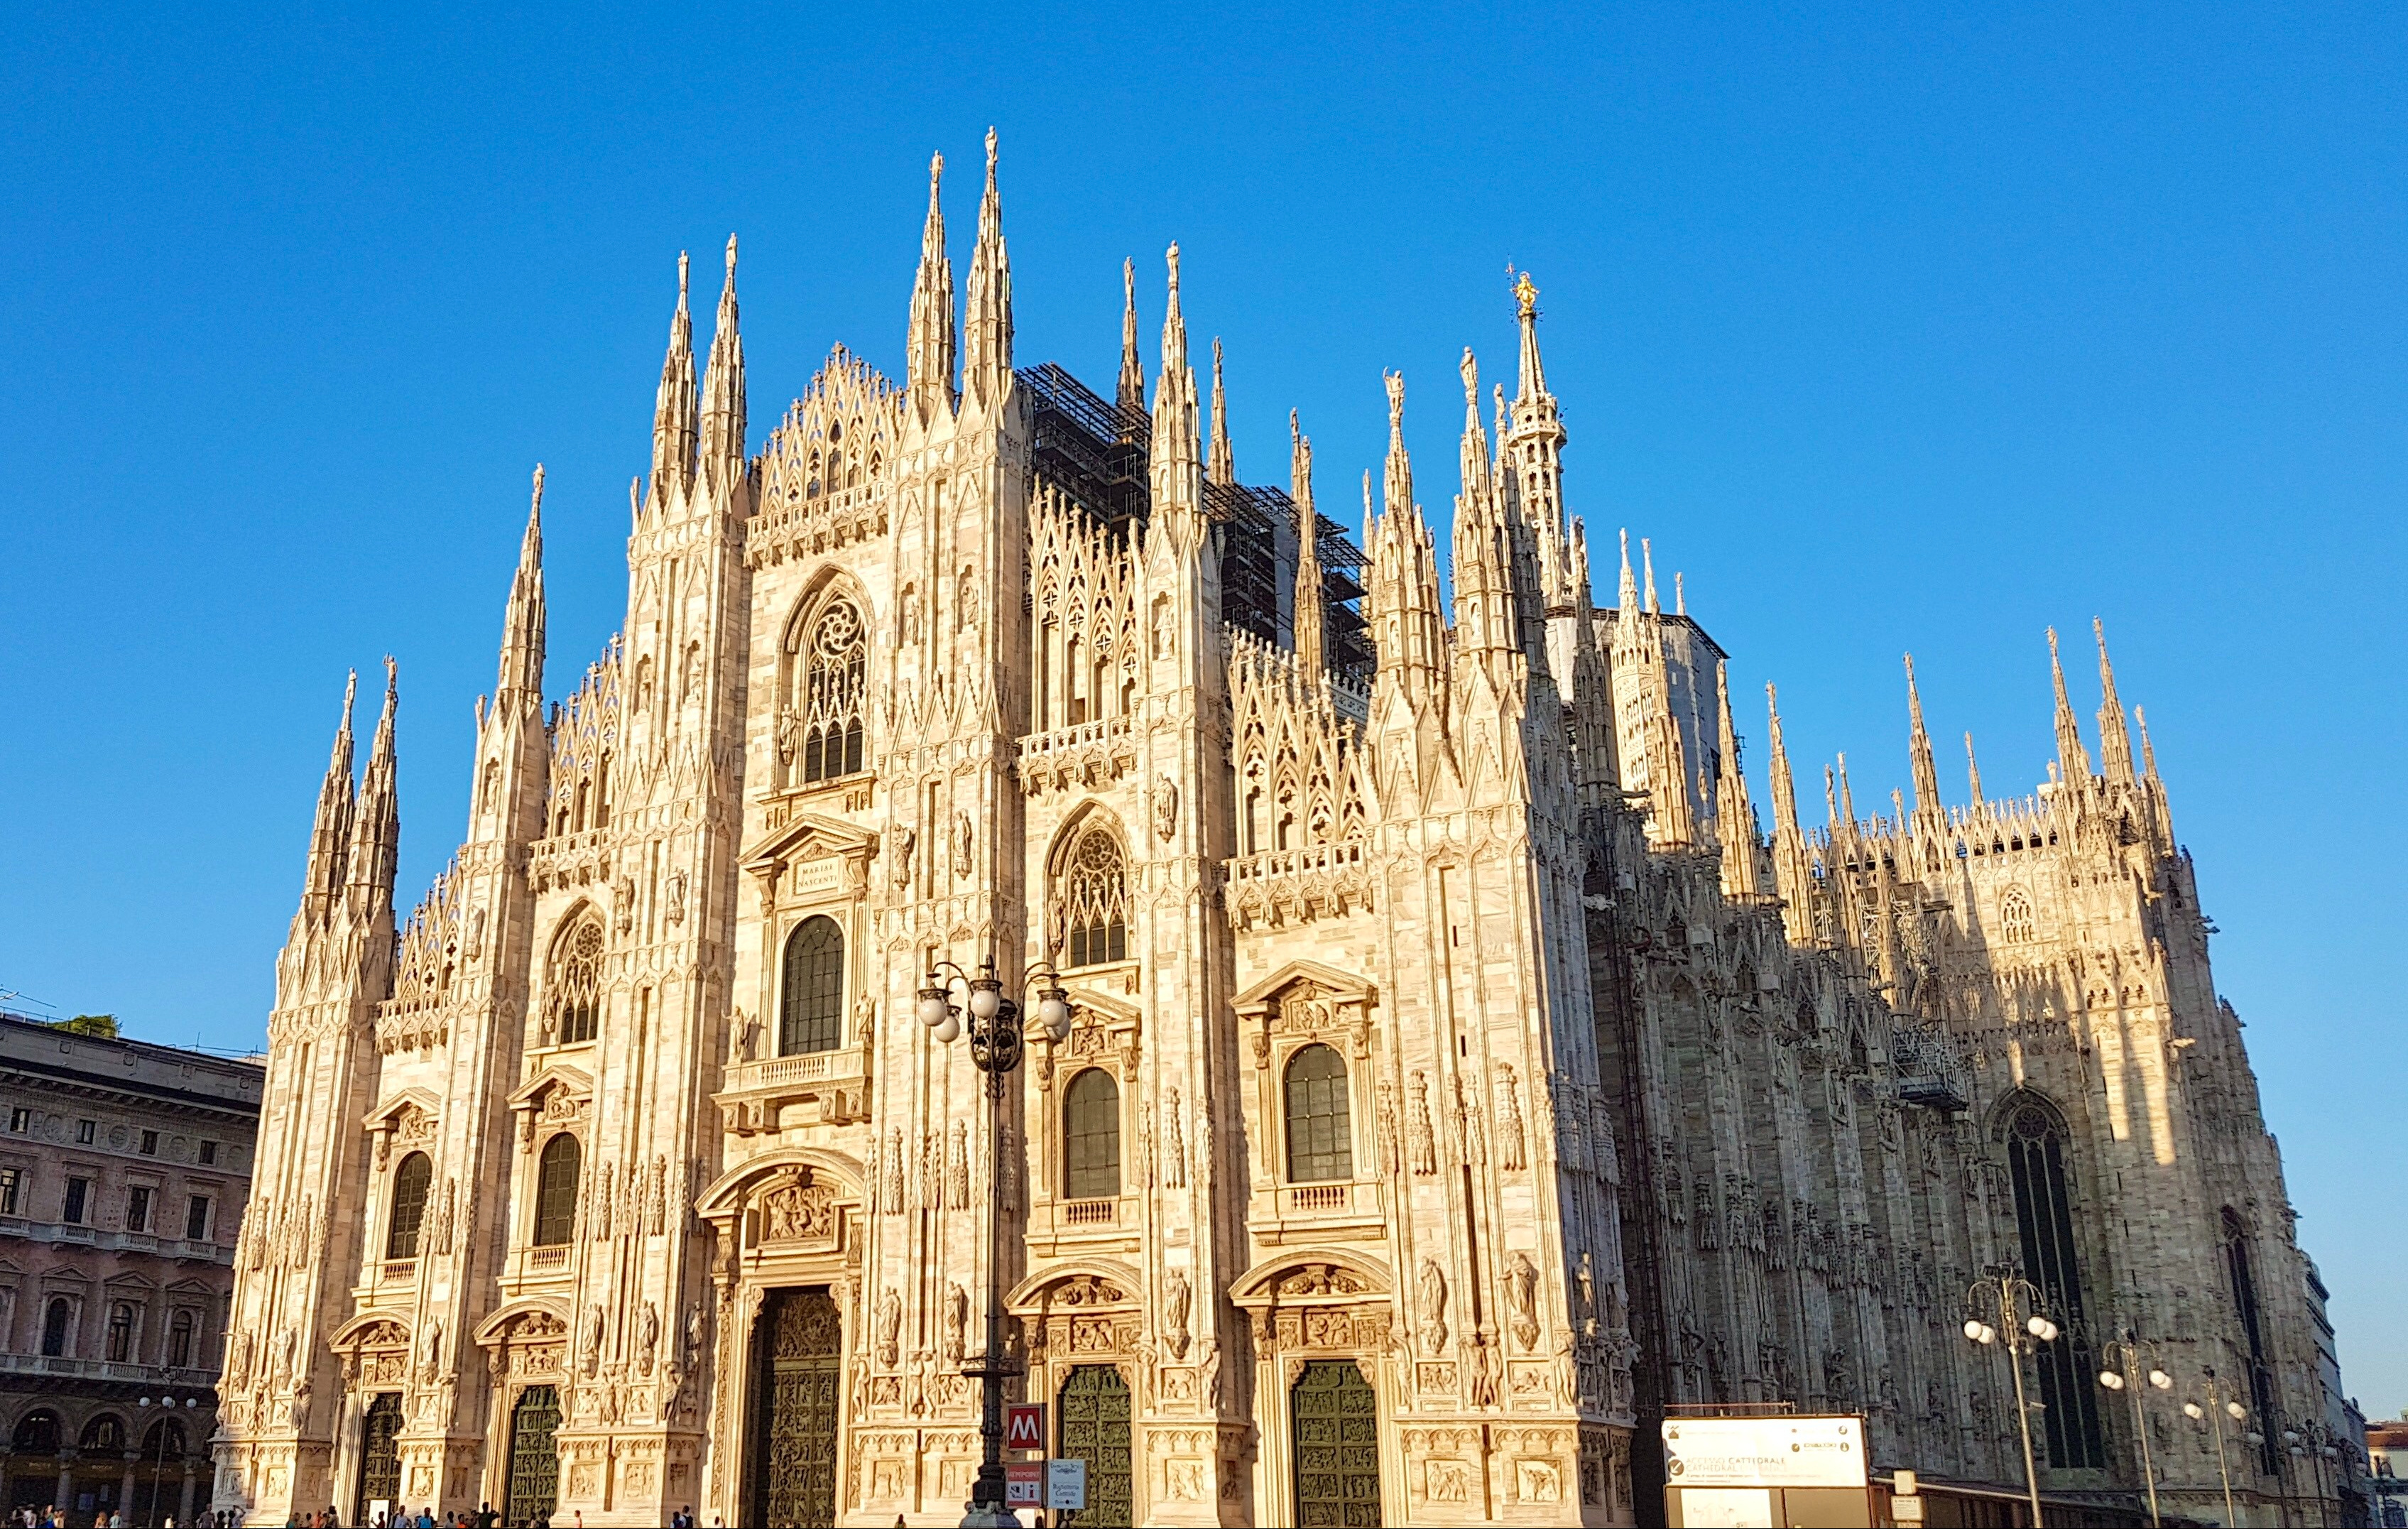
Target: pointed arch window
2244 1305
2015 916
555 1190
2038 1161
834 679
1091 1136
409 1213
1320 1121
810 1016
573 1011
1094 897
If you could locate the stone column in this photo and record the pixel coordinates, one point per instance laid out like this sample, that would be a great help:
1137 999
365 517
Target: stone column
65 1493
125 1484
184 1503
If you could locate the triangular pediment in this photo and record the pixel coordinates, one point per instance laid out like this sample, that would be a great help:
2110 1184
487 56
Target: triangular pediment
1343 986
423 1100
809 836
573 1081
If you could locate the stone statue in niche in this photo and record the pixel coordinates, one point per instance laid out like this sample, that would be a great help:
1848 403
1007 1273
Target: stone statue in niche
958 1168
1425 1145
1512 1149
1174 1149
907 839
957 1316
962 862
1522 1297
1166 807
1432 1284
890 1326
648 1348
1177 1298
591 1350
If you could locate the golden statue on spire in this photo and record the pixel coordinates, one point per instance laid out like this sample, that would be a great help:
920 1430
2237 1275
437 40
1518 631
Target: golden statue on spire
1525 292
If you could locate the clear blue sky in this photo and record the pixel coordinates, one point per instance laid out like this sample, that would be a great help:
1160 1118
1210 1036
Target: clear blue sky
1896 329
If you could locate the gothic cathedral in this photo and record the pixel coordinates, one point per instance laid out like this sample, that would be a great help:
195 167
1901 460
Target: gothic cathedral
1454 1078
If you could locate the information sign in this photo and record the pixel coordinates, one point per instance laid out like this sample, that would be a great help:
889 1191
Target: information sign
1775 1451
1066 1484
1024 1483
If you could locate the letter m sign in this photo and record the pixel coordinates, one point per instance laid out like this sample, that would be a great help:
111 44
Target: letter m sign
1023 1426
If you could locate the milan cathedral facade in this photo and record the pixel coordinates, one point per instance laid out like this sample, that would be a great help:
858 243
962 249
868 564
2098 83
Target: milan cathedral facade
1456 1078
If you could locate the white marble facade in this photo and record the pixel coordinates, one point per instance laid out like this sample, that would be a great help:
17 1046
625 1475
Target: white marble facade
1410 946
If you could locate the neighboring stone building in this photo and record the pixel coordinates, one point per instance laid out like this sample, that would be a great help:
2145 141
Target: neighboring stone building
1457 1080
123 1172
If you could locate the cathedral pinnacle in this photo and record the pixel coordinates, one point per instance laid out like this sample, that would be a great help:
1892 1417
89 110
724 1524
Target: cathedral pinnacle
376 840
2115 743
2072 760
1399 484
929 351
523 624
1221 466
986 346
1525 308
1918 743
330 832
1973 770
1785 788
1647 559
1177 467
1628 600
1310 620
1132 389
721 449
1734 815
673 410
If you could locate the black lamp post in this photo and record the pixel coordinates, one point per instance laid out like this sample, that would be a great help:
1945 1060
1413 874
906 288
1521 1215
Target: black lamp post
997 1039
2017 1302
2124 1373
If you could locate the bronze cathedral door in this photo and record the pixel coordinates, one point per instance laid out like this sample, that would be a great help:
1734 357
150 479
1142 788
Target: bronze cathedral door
1095 1428
534 1483
798 1358
1336 1415
380 1455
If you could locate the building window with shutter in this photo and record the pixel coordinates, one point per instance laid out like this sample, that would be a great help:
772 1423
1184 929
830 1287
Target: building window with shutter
1091 1136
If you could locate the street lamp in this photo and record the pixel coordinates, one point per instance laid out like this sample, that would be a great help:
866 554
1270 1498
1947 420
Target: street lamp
2124 1374
2222 1408
2313 1445
998 1036
2020 1322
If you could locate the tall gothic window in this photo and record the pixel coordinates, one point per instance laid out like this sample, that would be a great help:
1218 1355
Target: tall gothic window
556 1192
1320 1124
835 676
55 1323
1095 899
2015 916
2037 1143
573 1012
409 1184
180 1340
1091 1136
2244 1305
811 1017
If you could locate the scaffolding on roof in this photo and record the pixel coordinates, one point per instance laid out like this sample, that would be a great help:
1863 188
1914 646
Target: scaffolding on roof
1095 454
